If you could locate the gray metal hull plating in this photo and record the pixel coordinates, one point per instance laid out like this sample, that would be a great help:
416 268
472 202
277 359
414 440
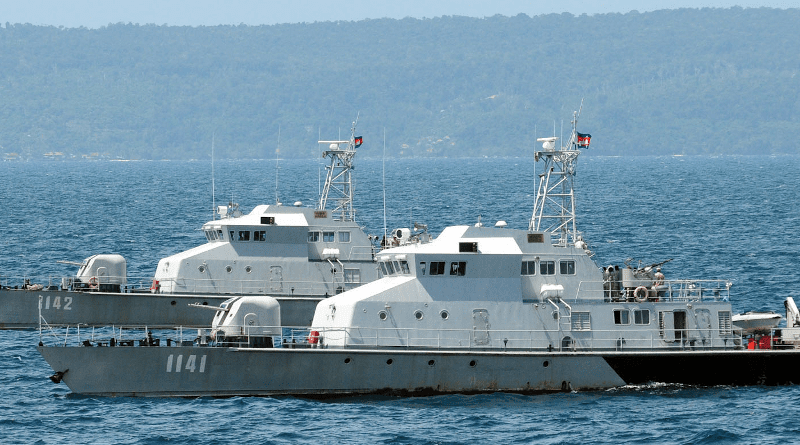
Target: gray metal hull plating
19 309
206 371
203 371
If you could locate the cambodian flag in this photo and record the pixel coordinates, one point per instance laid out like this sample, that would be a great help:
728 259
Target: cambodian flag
358 141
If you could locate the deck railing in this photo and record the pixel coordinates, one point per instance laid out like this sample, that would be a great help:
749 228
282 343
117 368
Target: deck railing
394 338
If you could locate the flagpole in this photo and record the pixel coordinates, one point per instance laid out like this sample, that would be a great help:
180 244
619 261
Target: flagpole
383 167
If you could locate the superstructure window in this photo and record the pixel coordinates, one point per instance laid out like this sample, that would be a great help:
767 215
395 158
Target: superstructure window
622 316
641 316
328 237
313 237
352 276
566 267
458 268
547 267
267 220
437 268
260 235
725 327
219 234
404 267
233 236
344 237
244 235
422 267
581 321
528 268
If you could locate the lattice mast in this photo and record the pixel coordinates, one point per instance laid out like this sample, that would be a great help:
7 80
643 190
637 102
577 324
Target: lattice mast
338 181
554 208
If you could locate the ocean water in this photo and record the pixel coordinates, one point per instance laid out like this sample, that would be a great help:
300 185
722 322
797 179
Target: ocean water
732 218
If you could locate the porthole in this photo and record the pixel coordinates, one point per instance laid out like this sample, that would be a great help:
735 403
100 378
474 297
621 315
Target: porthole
347 360
546 363
431 363
418 315
248 269
472 363
173 303
382 315
202 268
389 362
445 315
228 269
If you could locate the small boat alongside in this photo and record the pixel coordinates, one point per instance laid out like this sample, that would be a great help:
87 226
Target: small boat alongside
756 322
297 254
477 309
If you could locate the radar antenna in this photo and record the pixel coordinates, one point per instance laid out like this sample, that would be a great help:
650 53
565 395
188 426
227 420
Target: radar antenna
339 180
554 208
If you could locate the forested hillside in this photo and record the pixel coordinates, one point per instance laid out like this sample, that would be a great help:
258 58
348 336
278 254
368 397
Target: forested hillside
687 81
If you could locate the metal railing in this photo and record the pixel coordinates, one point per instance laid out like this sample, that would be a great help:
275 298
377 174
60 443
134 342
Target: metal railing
180 285
670 291
395 338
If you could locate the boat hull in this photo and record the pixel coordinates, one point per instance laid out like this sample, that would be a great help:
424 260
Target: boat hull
213 371
19 309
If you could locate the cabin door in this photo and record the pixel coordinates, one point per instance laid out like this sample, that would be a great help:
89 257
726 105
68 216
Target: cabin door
276 279
480 327
680 325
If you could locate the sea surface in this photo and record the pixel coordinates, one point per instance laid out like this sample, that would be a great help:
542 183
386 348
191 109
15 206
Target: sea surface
733 218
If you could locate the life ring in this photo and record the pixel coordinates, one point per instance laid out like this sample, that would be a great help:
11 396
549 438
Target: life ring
93 282
313 337
640 294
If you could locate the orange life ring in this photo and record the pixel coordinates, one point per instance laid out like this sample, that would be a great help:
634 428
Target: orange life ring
313 338
640 294
93 282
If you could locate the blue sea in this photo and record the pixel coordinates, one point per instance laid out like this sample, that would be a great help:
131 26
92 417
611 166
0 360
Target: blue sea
732 218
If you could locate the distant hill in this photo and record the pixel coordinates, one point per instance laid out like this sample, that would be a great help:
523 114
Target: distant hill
686 81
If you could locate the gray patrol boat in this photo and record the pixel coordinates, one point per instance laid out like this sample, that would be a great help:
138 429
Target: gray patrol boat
478 309
296 254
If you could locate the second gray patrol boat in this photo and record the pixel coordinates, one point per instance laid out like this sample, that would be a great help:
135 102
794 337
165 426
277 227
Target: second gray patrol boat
297 255
478 309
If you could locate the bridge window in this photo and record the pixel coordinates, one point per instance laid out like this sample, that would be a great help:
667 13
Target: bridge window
547 267
422 267
641 316
622 316
313 237
458 268
567 267
344 237
233 236
219 234
260 235
437 268
529 268
244 235
267 220
328 237
404 267
467 247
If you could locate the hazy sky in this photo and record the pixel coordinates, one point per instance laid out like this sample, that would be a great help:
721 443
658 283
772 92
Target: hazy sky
97 13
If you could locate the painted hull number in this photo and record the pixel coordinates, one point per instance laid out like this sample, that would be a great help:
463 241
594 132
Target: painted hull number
175 363
57 303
